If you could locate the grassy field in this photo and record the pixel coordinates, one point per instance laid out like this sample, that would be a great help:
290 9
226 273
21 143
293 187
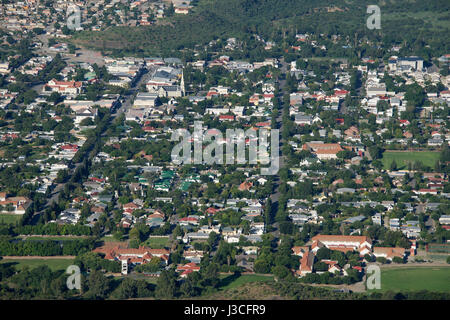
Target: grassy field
157 243
53 264
9 218
108 239
435 279
428 158
152 280
232 281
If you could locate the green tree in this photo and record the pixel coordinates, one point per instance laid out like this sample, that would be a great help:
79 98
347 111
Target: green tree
211 275
130 288
166 286
393 166
98 286
261 266
381 260
281 272
323 253
398 260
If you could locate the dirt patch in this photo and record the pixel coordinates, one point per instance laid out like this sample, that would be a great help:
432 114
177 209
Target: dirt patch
334 9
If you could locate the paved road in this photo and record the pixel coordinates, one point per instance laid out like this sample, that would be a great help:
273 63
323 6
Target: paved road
129 97
276 195
127 104
123 108
54 195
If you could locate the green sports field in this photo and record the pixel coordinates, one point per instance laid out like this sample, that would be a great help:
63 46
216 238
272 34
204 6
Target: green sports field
435 279
53 264
428 158
158 242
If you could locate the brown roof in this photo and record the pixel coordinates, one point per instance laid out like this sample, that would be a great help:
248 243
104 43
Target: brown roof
329 150
342 249
300 249
340 238
323 147
390 252
119 251
130 205
307 261
245 185
352 131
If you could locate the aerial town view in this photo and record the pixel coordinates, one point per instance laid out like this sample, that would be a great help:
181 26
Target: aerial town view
193 150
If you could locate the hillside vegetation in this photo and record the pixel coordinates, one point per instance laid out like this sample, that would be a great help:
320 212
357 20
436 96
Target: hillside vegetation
415 23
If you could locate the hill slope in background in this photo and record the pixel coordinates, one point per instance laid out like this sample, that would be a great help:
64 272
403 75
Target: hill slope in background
414 21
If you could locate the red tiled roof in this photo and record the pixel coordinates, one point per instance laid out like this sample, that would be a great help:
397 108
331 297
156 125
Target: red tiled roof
226 117
340 238
245 186
188 219
307 261
390 252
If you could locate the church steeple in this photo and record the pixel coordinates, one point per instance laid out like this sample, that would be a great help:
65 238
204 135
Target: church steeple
183 92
